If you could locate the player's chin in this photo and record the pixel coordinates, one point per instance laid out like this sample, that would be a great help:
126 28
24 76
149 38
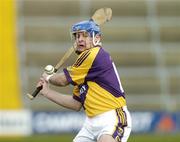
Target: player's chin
80 50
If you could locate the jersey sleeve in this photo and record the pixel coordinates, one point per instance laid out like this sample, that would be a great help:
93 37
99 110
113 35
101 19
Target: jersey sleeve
77 73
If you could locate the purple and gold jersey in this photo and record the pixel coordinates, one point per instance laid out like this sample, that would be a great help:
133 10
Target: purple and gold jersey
96 82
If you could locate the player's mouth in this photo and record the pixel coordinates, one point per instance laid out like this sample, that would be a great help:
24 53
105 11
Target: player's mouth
81 45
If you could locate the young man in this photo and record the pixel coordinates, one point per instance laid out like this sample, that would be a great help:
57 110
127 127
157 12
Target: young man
97 88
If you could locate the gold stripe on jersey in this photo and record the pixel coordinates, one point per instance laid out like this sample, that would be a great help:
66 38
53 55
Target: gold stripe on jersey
79 70
100 100
81 58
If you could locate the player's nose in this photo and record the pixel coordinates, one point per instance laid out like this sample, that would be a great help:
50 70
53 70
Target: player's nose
81 38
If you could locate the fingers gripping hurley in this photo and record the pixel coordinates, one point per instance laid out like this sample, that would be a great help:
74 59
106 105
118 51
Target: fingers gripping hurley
49 69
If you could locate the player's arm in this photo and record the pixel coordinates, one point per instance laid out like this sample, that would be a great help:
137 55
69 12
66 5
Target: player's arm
58 79
63 100
58 98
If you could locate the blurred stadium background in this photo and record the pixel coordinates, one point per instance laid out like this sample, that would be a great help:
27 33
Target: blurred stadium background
143 39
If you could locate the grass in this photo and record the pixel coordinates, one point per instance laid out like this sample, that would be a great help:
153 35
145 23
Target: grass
69 137
155 138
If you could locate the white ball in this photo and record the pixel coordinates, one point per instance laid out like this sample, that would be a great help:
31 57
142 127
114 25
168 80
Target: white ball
49 69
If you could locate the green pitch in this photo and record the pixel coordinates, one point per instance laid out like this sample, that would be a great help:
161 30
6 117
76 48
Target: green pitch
69 137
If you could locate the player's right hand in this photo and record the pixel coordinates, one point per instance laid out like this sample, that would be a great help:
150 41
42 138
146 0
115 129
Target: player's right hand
45 86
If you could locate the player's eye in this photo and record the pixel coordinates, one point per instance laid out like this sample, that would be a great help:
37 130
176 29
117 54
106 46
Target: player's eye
78 35
85 34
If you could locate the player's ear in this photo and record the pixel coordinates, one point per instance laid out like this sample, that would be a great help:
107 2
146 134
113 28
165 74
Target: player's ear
97 38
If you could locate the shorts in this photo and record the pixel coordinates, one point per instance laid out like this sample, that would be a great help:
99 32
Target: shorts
116 123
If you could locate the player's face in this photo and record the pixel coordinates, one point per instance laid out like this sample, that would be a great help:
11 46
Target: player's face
83 41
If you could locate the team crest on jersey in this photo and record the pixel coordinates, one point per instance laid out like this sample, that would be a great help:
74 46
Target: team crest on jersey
83 89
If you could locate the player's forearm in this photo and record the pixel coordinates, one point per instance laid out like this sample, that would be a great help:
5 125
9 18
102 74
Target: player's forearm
58 79
63 100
